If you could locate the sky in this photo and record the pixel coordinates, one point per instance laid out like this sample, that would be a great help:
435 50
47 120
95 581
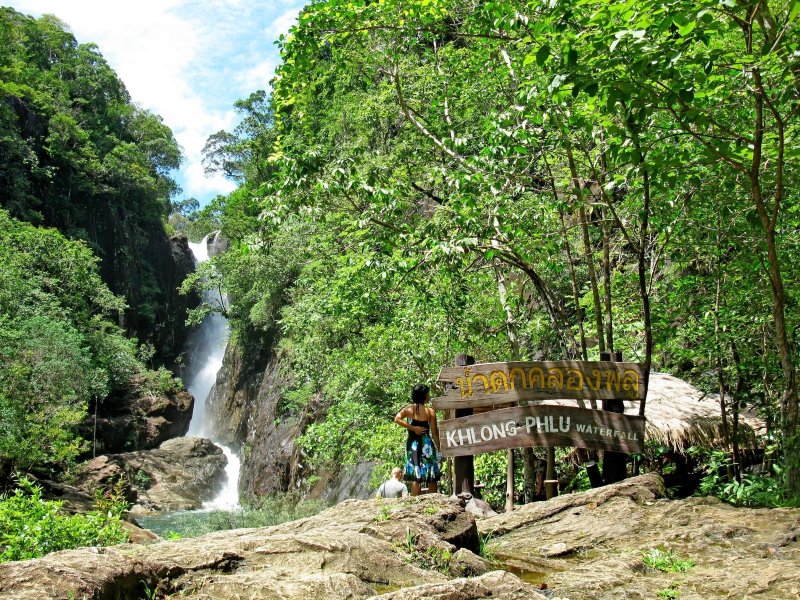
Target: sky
186 60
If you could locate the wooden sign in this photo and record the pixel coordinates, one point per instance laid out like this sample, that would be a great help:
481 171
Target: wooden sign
541 425
489 384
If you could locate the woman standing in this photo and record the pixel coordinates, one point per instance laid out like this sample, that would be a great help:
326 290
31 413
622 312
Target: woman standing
422 454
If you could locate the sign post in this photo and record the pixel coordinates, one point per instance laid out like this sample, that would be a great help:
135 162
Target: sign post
614 467
489 385
463 466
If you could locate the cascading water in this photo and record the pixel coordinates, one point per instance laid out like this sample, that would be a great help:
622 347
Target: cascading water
205 350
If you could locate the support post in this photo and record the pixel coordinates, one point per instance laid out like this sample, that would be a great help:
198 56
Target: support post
550 481
529 466
614 463
593 471
464 466
510 482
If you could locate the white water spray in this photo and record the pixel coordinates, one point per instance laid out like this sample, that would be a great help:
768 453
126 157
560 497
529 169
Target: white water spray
205 350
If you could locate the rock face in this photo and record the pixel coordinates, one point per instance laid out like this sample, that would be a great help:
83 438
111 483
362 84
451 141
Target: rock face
357 549
352 481
590 545
139 420
243 408
179 475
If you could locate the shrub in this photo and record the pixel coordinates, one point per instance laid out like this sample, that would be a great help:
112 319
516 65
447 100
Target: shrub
752 490
666 561
31 527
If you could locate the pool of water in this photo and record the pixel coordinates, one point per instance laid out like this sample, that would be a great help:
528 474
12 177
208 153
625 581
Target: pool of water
533 577
191 523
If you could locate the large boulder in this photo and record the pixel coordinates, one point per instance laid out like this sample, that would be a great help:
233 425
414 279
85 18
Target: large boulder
139 419
497 584
355 550
180 474
591 545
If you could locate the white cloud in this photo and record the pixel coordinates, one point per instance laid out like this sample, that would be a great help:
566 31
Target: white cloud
199 185
258 77
281 24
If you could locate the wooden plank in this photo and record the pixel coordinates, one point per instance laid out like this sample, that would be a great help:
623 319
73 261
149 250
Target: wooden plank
543 425
488 384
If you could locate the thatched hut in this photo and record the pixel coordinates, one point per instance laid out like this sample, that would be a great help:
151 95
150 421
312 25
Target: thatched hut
679 416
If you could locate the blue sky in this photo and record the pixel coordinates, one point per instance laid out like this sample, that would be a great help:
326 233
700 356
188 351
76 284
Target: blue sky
186 60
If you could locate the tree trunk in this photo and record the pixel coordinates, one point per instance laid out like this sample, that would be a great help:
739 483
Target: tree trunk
587 249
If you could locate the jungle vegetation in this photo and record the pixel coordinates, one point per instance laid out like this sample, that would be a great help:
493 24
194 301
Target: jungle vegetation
76 154
519 180
84 190
509 179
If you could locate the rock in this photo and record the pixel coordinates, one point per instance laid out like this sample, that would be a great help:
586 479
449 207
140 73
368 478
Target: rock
480 508
352 481
139 419
497 584
637 489
179 475
590 545
468 564
397 549
73 499
139 535
243 407
351 551
217 244
555 550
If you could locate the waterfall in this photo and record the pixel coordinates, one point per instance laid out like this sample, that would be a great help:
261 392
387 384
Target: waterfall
204 352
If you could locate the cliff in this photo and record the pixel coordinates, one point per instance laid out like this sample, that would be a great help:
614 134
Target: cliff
244 408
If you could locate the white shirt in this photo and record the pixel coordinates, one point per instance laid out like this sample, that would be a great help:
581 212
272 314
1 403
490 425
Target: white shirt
392 489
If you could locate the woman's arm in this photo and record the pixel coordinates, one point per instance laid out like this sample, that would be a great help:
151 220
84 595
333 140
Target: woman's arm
434 429
399 418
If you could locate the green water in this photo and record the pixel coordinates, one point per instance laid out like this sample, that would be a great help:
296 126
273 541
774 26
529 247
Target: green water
191 523
533 577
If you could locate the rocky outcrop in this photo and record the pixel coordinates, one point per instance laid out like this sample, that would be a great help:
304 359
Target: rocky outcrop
180 474
349 481
217 244
244 408
591 545
357 549
141 262
580 546
497 584
139 419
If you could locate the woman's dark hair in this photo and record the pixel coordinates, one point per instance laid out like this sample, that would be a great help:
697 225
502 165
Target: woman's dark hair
419 393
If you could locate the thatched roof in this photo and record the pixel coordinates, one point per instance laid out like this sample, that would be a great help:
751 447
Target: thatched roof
679 415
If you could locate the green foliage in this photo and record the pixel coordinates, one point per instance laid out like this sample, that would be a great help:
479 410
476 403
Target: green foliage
430 558
666 561
354 431
443 180
59 346
160 382
751 490
78 155
142 480
31 527
670 593
490 470
487 547
579 482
